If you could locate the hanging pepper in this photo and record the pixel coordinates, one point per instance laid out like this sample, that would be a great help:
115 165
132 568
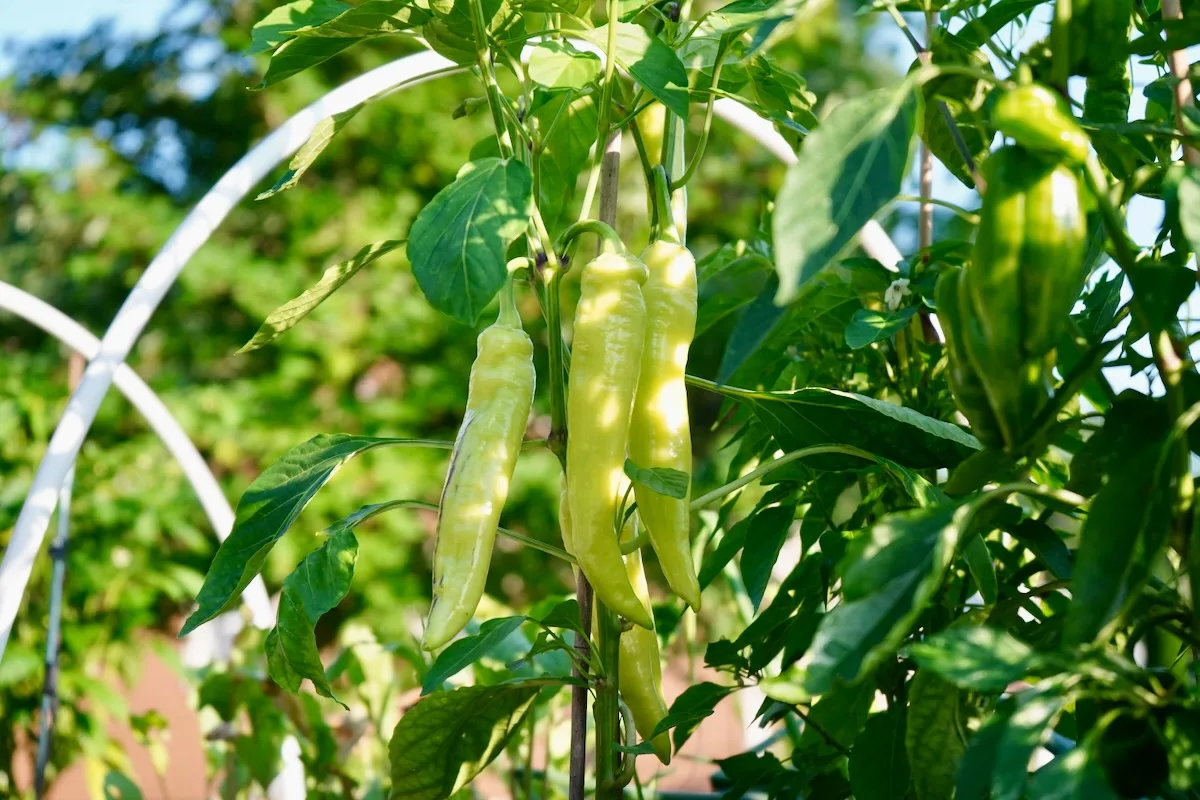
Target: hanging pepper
659 433
1025 275
1102 28
1038 120
965 385
610 330
639 669
485 452
1106 100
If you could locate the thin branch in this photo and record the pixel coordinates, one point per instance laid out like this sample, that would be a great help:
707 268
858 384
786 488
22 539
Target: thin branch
1178 61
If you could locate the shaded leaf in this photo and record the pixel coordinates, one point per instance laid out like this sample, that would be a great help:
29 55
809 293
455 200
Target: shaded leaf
982 568
764 539
464 652
933 735
814 416
696 703
979 658
119 786
848 170
878 763
868 326
447 738
1026 729
652 63
314 588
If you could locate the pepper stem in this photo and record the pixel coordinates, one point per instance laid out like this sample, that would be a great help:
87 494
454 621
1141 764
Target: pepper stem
609 240
508 315
664 217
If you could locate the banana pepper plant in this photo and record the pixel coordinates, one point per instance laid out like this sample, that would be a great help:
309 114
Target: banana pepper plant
905 501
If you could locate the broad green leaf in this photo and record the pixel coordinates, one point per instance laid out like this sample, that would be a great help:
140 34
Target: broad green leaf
458 242
277 26
870 326
1188 194
372 18
287 315
772 631
314 588
650 61
757 323
814 416
891 575
878 763
1046 544
764 540
451 32
696 703
269 507
838 716
259 750
661 480
318 140
447 738
741 15
848 170
464 652
979 658
315 44
558 65
933 735
1025 731
119 786
982 568
564 614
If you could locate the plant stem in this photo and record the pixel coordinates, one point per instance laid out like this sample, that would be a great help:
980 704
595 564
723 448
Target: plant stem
698 153
1060 45
487 72
925 213
1178 61
606 709
610 240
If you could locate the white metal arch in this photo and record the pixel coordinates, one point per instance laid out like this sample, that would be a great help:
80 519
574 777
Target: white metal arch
156 414
135 312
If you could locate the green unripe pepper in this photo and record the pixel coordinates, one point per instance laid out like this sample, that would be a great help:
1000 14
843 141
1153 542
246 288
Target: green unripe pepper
1038 119
1026 272
965 384
499 397
1102 28
659 433
606 354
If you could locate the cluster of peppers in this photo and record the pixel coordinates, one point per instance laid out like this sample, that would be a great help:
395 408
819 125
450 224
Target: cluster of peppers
1003 315
625 399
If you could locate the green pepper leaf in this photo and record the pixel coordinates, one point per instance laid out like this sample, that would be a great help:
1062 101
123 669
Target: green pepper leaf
650 61
878 763
458 243
933 735
282 23
447 738
661 480
314 588
464 652
849 169
269 507
287 315
979 658
869 326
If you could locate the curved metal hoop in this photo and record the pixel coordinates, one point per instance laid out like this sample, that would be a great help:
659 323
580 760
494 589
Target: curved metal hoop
30 529
156 414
